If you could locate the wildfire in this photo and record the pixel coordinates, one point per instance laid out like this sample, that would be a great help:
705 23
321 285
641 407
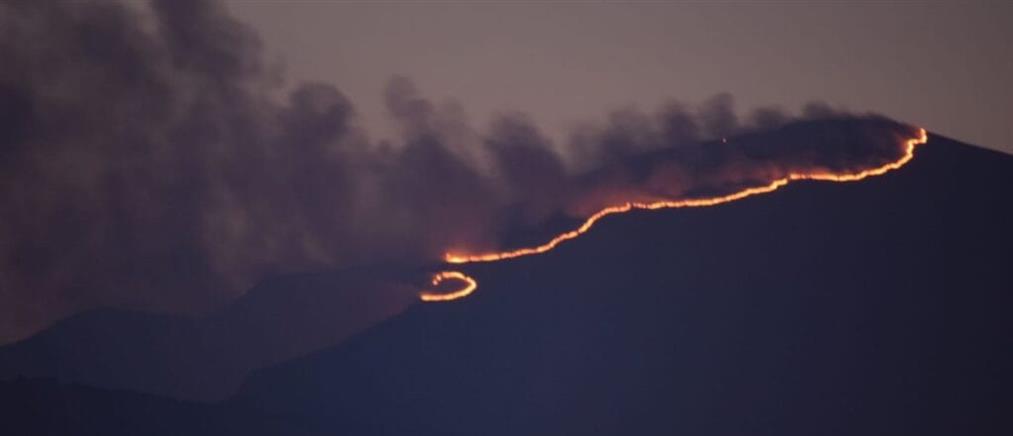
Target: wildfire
471 284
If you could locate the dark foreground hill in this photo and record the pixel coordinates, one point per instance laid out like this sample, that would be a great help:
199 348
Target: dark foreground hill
46 407
206 358
878 307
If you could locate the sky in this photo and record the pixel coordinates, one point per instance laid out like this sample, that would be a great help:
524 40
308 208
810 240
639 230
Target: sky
942 65
152 161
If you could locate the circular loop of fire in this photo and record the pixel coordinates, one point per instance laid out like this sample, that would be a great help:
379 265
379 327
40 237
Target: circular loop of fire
468 285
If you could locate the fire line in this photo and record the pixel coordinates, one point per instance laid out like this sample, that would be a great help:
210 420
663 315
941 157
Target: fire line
470 284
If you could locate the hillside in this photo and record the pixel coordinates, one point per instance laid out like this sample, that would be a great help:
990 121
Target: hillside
862 308
877 307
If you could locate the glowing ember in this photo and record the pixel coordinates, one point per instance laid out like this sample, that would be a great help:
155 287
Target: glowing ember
910 145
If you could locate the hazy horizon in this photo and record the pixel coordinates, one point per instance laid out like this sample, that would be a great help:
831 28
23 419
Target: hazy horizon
940 66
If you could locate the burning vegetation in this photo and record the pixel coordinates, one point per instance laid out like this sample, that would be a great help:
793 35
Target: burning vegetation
905 148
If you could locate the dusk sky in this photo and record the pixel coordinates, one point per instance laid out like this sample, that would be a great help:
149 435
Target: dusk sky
171 155
504 218
941 64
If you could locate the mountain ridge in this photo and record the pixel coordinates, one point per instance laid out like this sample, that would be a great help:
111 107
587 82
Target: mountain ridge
793 312
448 391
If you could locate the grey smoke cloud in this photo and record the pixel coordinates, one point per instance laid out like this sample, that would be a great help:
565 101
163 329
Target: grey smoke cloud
146 162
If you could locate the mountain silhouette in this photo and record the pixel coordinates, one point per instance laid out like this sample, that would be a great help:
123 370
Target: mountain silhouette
875 307
206 358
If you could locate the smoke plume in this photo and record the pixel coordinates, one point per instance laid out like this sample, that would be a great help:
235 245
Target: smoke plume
145 161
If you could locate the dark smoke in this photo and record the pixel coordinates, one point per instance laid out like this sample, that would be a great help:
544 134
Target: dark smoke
144 163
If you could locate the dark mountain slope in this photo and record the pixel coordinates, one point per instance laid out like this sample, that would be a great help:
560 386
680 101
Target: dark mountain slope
206 358
877 307
45 407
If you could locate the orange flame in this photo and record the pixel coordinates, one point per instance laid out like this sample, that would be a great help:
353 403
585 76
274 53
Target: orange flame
471 284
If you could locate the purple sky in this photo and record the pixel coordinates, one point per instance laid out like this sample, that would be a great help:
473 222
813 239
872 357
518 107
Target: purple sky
943 66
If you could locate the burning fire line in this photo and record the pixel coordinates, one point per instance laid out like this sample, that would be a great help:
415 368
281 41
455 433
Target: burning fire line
471 284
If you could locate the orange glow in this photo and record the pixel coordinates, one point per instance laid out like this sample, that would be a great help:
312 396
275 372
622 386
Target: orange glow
910 145
469 286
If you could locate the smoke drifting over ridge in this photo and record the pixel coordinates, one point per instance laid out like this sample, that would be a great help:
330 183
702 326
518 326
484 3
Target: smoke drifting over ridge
145 163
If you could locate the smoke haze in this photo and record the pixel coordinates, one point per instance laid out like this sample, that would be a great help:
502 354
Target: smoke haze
146 161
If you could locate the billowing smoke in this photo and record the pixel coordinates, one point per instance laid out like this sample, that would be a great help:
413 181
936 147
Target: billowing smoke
146 162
